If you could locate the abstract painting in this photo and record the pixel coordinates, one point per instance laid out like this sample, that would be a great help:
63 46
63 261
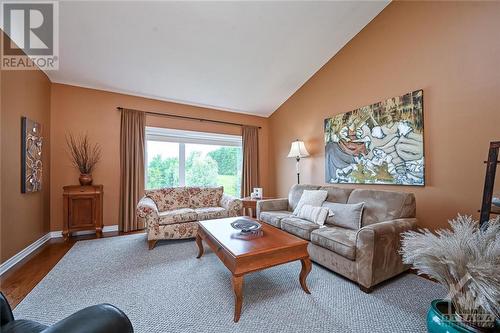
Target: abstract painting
31 156
380 143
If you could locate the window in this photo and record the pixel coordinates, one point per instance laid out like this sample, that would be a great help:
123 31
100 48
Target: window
186 158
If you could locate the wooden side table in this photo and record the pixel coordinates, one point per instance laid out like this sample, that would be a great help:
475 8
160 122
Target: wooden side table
250 206
82 209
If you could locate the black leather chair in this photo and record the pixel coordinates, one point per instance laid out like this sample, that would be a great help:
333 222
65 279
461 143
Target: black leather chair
102 318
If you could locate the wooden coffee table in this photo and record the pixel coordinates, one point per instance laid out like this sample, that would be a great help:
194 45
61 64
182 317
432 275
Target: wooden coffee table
243 256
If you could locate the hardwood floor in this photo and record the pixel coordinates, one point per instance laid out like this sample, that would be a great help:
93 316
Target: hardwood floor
18 281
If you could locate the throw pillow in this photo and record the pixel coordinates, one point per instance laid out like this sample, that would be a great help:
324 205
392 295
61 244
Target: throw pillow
314 198
345 215
317 215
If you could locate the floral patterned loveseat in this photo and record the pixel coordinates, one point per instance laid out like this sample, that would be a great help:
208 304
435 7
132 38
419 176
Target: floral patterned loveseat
173 212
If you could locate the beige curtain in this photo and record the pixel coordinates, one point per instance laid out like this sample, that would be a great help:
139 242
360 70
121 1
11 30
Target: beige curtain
132 139
250 169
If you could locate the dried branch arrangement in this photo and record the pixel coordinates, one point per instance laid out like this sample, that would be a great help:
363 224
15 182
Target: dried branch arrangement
84 155
466 260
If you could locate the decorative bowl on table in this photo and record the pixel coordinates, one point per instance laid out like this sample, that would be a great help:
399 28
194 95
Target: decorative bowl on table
245 225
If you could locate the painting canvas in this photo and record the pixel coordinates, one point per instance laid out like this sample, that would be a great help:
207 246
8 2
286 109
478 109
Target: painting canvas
380 143
31 156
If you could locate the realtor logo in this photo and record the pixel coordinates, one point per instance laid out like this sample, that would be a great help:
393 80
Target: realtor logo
475 313
34 32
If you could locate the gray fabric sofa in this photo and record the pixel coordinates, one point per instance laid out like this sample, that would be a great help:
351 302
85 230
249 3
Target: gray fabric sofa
368 255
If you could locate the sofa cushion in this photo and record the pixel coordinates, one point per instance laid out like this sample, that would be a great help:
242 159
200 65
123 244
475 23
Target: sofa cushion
274 217
339 240
205 196
295 194
310 197
337 194
177 216
208 213
317 215
383 205
345 215
169 198
298 227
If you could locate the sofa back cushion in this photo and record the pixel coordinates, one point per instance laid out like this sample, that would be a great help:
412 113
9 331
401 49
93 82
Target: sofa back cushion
337 194
205 196
169 198
383 205
295 194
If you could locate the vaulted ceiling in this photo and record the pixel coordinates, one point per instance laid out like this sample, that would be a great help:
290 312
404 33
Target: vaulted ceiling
245 57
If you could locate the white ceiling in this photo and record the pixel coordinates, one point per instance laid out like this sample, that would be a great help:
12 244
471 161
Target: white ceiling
245 57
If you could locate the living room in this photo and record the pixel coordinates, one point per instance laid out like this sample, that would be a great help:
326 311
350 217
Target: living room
339 131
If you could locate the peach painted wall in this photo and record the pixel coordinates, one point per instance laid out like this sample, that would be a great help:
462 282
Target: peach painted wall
24 217
81 110
451 50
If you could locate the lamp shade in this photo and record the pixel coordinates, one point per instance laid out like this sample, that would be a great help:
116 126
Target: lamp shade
298 149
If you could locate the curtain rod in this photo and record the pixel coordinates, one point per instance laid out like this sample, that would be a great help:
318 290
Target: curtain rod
119 108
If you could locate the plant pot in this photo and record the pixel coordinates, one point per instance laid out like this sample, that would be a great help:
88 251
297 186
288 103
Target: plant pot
439 320
85 179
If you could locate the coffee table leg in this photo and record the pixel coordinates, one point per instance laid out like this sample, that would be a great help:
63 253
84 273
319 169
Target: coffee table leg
200 246
238 296
306 268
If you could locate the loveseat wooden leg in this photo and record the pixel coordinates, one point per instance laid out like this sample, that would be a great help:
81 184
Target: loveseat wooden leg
365 289
152 243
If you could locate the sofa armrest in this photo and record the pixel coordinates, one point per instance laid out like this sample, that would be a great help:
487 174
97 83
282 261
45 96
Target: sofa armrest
271 204
6 315
102 318
377 250
147 207
232 204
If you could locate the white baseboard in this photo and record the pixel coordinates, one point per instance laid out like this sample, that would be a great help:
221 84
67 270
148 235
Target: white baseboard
55 234
4 267
106 228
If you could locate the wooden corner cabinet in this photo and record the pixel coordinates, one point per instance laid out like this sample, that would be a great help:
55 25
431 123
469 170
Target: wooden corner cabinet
82 209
